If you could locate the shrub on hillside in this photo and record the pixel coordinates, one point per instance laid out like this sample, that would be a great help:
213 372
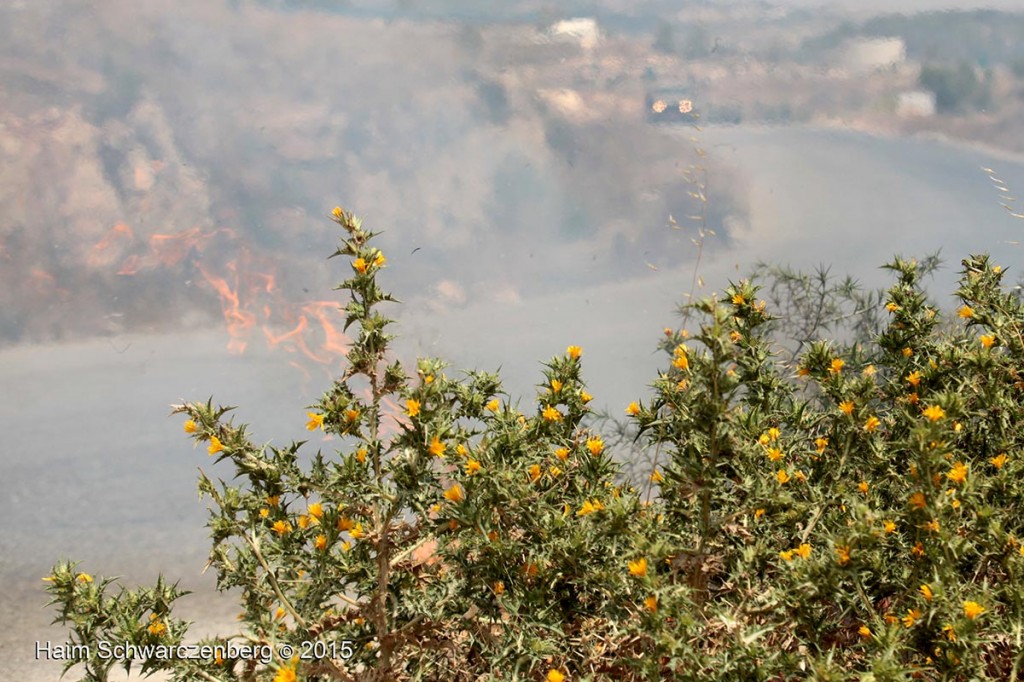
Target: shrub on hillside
855 520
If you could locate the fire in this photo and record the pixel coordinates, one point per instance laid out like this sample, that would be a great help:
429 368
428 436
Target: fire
170 249
100 254
236 317
130 266
246 287
335 343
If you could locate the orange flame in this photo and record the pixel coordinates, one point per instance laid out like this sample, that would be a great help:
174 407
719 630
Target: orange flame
237 319
130 266
98 256
171 249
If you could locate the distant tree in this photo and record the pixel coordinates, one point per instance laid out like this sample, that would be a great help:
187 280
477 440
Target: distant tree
956 89
664 38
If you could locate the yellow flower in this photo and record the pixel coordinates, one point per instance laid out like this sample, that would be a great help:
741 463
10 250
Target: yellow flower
562 453
316 510
917 500
379 262
872 423
436 447
361 455
499 587
738 299
843 555
534 472
913 398
454 494
638 568
461 450
987 340
493 405
888 527
914 378
316 421
651 604
281 527
585 397
966 312
803 551
869 371
782 477
264 513
273 500
758 513
412 407
973 609
950 633
345 523
999 460
595 445
774 454
351 415
84 578
555 676
926 592
958 474
190 426
551 414
917 550
321 542
803 372
891 307
359 265
907 352
589 507
934 413
337 213
472 466
556 385
656 477
774 434
735 336
846 407
800 475
285 674
863 487
910 618
215 445
763 439
357 532
574 352
633 409
820 444
303 522
156 626
864 631
346 546
837 365
554 471
786 555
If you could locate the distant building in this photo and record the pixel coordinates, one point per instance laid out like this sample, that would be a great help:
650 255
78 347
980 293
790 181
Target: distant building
915 103
583 31
864 55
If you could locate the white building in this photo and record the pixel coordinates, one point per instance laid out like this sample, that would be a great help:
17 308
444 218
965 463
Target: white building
583 31
915 103
864 55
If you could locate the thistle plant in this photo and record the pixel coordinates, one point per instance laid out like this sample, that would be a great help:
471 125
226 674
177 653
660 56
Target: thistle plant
849 514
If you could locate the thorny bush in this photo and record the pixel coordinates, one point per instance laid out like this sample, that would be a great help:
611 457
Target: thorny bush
854 519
